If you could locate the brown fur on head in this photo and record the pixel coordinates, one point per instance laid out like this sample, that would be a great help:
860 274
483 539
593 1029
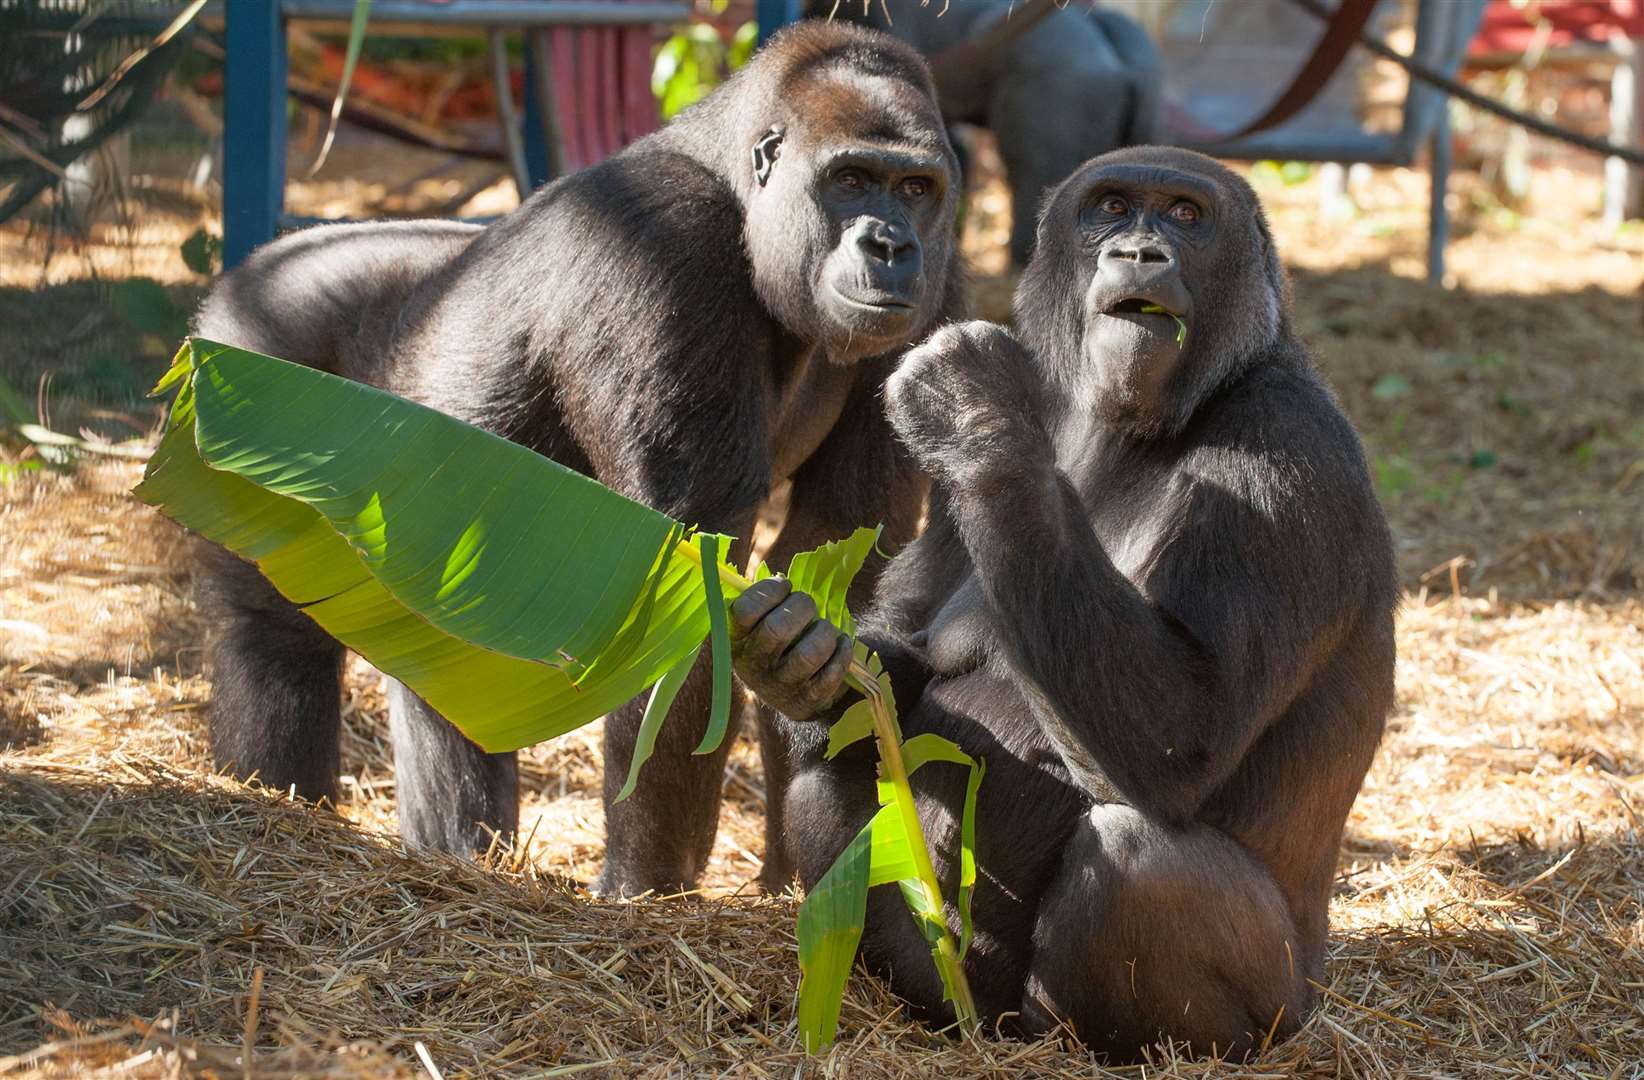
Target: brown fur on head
849 185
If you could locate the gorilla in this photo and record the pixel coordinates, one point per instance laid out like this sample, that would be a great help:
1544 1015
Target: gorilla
701 317
1056 85
1155 594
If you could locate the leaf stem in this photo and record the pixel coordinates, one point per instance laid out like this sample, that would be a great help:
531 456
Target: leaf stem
894 771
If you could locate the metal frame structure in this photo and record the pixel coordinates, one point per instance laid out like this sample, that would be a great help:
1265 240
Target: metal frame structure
254 98
1443 29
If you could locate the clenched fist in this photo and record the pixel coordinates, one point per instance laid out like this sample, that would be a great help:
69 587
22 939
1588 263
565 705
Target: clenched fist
966 402
793 660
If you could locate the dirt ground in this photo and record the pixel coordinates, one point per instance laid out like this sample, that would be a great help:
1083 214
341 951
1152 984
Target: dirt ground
1489 913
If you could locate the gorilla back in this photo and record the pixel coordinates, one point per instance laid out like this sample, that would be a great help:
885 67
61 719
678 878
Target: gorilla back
706 314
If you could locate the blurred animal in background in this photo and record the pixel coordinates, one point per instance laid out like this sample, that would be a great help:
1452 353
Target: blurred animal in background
74 76
1056 85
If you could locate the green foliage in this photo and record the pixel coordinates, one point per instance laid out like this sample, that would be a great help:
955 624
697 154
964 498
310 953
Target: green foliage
146 306
694 61
203 252
719 635
656 711
1287 173
351 59
1390 387
526 607
13 409
13 470
351 502
1181 324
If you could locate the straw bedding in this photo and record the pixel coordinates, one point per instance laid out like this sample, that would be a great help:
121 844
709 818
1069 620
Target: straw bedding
156 921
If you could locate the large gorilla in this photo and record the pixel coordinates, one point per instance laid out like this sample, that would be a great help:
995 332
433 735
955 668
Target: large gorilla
1155 595
708 313
1076 82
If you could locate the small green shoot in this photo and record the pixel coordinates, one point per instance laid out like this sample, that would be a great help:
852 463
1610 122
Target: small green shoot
1181 325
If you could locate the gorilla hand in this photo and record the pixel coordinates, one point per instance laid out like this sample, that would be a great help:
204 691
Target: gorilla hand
793 660
966 403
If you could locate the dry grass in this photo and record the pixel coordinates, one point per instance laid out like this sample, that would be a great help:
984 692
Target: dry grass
1489 917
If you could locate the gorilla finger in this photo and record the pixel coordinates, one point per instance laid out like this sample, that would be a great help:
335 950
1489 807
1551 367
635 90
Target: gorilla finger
782 627
826 684
807 655
757 601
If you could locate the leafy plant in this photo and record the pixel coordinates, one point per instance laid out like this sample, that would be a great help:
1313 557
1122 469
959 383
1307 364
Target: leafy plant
146 306
1181 324
1390 387
526 607
203 252
1288 173
695 60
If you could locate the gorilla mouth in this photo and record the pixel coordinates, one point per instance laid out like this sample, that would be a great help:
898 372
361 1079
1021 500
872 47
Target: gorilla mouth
1150 315
883 303
1136 305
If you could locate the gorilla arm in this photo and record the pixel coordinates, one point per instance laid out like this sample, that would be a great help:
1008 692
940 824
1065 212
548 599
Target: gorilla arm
1154 688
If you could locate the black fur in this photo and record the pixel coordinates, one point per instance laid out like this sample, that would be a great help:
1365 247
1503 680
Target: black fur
1083 81
686 331
1155 595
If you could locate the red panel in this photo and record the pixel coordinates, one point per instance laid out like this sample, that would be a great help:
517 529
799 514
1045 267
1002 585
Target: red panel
1506 28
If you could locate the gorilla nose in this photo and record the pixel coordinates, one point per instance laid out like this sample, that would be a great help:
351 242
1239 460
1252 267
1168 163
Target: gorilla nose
886 243
1140 252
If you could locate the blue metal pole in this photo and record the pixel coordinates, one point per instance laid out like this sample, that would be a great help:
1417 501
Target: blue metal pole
537 165
254 105
773 15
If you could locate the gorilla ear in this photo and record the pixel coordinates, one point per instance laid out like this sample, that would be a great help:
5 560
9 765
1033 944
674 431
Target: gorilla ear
765 153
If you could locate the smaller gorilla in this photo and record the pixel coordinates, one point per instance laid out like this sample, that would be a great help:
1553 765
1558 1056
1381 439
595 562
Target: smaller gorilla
1078 82
1155 595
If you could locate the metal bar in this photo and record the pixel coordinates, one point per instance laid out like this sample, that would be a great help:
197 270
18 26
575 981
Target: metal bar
253 127
1370 148
1443 29
542 85
773 15
289 222
1438 215
500 13
507 116
536 144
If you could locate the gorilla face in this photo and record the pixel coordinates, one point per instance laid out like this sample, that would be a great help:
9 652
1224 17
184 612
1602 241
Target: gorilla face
851 213
1175 284
872 281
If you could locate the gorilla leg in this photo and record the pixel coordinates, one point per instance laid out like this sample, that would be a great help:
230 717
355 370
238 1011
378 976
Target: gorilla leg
1156 931
276 683
451 795
659 838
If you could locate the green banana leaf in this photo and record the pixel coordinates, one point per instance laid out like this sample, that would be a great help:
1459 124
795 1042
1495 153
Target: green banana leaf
359 507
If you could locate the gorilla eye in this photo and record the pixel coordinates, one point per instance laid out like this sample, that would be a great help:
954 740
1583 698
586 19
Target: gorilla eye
915 187
1114 204
850 178
1185 212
